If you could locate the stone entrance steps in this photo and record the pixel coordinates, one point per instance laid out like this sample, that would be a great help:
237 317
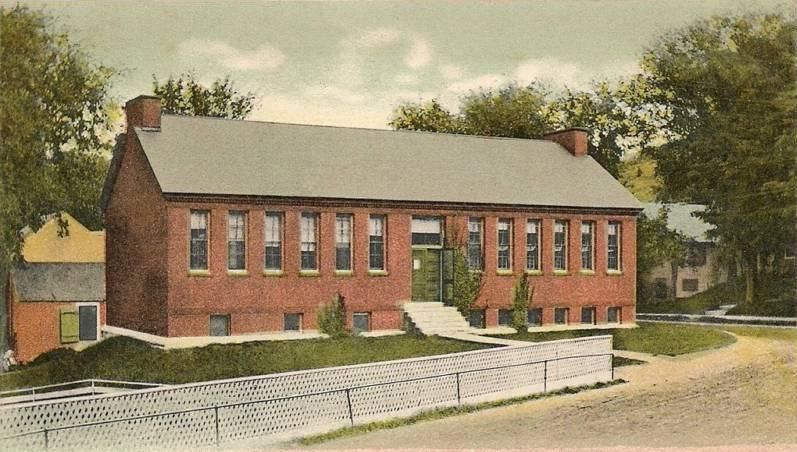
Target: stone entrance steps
432 318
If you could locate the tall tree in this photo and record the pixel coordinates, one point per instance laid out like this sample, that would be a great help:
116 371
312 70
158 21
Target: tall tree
531 111
184 95
54 126
728 85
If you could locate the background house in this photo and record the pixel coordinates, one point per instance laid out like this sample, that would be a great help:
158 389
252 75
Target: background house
701 270
55 295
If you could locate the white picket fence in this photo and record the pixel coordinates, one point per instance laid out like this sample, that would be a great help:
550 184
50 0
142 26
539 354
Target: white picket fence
281 406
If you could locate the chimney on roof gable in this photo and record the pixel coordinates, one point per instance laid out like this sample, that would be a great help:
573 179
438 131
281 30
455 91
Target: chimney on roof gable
144 112
574 139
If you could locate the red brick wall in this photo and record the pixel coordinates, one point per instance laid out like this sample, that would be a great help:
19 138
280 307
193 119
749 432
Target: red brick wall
257 302
35 327
135 244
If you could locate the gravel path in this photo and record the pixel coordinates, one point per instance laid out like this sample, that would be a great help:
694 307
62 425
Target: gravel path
743 394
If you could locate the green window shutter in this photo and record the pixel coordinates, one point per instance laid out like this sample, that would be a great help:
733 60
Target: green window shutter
69 325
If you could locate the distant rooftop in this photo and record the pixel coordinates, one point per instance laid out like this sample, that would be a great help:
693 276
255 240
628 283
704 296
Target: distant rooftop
680 219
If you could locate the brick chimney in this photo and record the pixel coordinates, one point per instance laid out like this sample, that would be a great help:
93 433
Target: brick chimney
574 139
144 112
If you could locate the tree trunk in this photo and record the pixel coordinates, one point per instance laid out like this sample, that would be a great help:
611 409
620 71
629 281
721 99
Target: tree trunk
674 278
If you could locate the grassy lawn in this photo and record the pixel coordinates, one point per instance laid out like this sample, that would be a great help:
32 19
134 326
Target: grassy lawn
696 304
654 338
122 358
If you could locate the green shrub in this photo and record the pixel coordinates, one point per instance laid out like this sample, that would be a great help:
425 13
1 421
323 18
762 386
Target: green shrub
521 298
467 283
331 318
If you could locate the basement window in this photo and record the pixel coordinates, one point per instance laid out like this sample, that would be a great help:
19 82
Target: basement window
292 322
220 325
560 316
361 322
504 317
588 316
689 285
535 317
614 314
476 318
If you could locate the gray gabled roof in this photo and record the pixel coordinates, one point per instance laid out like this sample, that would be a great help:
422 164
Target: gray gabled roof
59 281
215 156
680 219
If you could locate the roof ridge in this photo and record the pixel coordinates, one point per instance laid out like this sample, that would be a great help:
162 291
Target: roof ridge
370 129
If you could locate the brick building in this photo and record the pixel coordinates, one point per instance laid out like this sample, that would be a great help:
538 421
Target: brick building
231 227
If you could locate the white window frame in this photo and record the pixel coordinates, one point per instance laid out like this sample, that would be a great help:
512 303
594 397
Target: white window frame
478 222
206 213
619 234
566 231
538 225
316 220
280 216
498 228
244 215
383 234
591 225
338 235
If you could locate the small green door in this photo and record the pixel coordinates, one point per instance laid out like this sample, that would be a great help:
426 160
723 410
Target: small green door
426 274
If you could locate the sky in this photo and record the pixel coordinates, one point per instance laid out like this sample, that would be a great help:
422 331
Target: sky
352 63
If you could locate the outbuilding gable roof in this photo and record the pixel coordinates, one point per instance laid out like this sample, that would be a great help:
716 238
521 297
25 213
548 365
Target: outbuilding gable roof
193 155
59 281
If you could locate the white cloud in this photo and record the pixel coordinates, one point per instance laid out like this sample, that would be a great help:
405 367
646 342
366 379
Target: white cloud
572 75
264 57
419 55
451 72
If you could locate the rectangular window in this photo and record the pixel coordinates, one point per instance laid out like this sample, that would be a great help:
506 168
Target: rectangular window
361 322
560 245
199 240
273 241
88 321
689 285
614 314
343 242
220 325
427 231
504 244
475 250
236 240
476 318
535 317
533 245
560 316
376 242
588 316
292 322
613 246
504 317
309 242
587 247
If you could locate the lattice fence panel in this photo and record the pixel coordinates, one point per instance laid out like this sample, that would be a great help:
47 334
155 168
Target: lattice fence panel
285 415
391 400
367 403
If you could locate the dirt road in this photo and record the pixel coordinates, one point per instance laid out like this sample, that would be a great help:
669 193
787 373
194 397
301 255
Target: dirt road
744 394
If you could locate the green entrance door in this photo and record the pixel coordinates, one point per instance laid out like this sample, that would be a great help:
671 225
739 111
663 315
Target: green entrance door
432 274
426 274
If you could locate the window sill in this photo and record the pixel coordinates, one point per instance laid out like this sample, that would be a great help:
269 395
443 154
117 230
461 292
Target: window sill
505 273
237 273
534 272
344 273
586 272
561 273
614 273
199 273
377 273
309 273
272 273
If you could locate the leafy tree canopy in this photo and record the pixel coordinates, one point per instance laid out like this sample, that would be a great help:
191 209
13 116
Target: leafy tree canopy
54 126
728 87
184 95
531 111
